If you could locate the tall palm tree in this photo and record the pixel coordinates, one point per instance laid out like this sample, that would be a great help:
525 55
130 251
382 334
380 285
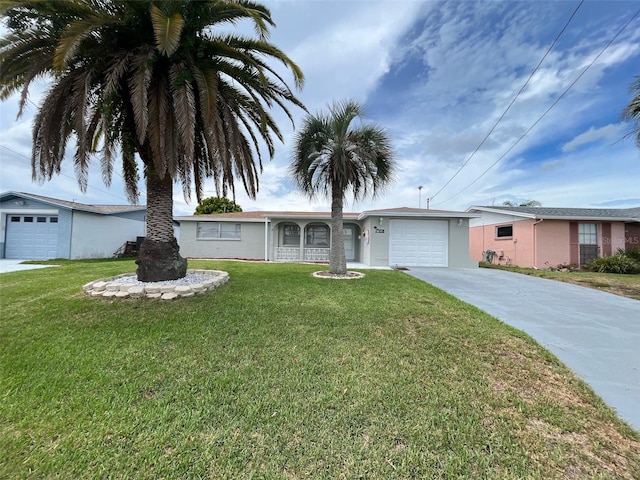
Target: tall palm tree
158 84
632 111
334 155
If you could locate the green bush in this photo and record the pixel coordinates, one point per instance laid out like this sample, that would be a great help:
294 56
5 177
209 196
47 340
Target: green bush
621 262
633 252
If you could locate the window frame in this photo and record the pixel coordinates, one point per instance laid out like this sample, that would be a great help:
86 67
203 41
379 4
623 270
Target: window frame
503 237
218 231
290 239
309 232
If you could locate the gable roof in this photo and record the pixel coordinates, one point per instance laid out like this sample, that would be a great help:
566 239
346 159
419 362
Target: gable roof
98 209
553 213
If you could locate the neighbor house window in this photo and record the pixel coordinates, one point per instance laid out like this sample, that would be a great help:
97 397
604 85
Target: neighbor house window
218 230
53 220
504 231
15 219
587 233
317 235
28 219
291 235
42 220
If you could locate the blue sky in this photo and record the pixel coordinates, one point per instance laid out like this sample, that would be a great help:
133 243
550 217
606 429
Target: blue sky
438 76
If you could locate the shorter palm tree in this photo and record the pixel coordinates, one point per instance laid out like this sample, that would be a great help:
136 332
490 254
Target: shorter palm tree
334 155
632 111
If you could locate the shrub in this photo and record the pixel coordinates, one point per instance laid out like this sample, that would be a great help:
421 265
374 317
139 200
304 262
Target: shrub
618 263
633 253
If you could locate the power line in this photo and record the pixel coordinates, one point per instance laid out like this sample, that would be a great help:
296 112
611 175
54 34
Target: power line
548 109
512 101
65 175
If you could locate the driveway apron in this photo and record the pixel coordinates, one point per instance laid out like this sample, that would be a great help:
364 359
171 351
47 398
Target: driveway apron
596 334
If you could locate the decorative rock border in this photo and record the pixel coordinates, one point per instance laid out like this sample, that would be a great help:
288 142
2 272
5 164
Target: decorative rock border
115 288
349 276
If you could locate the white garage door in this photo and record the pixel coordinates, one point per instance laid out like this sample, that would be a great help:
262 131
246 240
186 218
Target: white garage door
418 243
31 237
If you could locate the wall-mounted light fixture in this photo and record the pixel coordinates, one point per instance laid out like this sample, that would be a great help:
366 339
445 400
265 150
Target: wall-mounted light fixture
381 220
459 222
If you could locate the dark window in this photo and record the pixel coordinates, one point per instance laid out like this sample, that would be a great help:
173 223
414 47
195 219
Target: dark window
317 236
53 219
504 231
291 235
15 219
28 219
218 230
42 219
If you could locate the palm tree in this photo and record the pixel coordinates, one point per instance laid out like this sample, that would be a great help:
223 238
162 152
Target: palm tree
333 155
632 111
158 84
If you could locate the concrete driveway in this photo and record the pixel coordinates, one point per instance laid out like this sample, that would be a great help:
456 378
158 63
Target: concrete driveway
10 265
594 333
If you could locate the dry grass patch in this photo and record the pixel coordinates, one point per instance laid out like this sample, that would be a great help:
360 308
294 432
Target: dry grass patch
527 389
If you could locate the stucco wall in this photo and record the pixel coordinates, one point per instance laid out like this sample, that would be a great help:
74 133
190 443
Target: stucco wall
617 239
516 250
100 236
535 243
459 245
379 241
250 245
552 244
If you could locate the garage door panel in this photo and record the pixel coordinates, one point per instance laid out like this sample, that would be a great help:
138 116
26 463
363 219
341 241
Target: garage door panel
31 237
421 243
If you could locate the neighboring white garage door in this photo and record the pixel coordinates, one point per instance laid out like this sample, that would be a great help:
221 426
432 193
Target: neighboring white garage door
31 237
418 243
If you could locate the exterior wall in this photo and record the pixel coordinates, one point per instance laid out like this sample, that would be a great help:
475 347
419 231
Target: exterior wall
99 236
552 239
618 238
515 250
459 245
632 235
65 228
250 245
379 241
540 243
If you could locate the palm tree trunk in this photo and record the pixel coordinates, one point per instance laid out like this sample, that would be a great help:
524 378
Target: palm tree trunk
337 261
159 256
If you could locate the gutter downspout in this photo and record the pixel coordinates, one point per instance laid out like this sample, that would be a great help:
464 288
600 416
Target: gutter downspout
535 243
266 239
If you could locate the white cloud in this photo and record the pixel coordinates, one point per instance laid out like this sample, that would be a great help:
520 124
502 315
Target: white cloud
611 133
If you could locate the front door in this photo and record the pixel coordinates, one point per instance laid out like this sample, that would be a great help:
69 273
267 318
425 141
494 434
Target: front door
349 243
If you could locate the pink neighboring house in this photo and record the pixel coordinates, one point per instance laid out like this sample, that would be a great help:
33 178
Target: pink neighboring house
542 237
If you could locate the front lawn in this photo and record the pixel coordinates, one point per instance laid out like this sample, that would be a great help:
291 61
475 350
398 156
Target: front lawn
616 283
281 375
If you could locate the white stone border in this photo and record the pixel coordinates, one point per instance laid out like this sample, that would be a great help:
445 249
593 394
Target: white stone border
350 275
108 288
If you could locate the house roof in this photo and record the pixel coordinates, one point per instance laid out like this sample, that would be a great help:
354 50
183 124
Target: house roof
99 209
553 213
260 216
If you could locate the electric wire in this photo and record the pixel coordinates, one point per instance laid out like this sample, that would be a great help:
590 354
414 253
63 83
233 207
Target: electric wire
548 109
65 175
486 137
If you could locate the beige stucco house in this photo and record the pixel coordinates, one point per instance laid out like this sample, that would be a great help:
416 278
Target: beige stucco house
542 237
378 238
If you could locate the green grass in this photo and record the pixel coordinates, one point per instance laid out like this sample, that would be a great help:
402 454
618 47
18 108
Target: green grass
626 285
281 375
